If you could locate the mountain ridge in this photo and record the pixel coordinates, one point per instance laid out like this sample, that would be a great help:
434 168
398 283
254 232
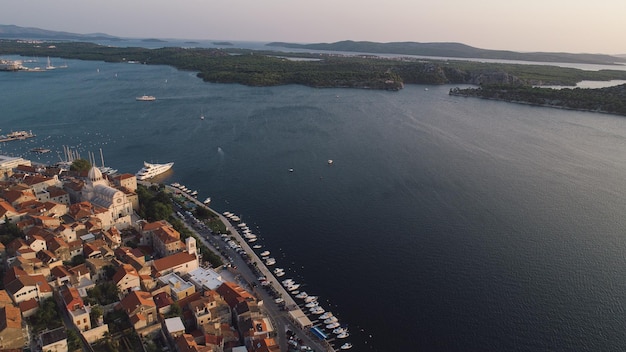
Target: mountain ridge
453 50
10 31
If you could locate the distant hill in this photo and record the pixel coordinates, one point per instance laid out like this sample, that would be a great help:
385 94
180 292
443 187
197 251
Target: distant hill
17 32
454 50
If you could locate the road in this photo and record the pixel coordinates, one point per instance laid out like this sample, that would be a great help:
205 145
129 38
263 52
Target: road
247 277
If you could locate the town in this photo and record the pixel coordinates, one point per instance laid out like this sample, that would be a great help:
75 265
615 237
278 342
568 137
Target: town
83 271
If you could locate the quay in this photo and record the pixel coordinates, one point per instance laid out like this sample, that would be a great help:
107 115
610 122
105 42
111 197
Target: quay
287 315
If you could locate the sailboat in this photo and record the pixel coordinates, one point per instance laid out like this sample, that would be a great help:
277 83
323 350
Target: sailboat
49 66
201 115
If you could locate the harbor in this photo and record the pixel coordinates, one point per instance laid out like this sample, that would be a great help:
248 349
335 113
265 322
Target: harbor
295 307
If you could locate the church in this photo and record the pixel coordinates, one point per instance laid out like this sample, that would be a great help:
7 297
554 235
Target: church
98 191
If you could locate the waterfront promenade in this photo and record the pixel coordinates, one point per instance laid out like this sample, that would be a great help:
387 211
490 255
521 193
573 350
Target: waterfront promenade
243 275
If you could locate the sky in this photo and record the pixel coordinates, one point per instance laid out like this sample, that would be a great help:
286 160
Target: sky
574 26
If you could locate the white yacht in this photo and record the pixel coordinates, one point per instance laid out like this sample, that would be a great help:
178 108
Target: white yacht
152 170
346 346
310 299
331 320
270 261
326 315
293 287
207 201
312 304
146 98
332 325
302 295
317 310
265 254
339 330
343 335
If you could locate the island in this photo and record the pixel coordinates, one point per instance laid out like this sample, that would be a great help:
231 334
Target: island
223 43
326 70
610 100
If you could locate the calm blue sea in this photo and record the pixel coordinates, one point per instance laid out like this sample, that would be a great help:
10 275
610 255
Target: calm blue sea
444 223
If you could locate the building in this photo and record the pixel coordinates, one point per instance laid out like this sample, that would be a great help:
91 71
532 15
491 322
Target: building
11 335
78 312
53 340
179 288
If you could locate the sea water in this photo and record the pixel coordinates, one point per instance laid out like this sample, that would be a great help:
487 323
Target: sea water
443 223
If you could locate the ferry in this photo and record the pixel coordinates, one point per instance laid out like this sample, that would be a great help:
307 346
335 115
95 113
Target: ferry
16 136
145 98
152 170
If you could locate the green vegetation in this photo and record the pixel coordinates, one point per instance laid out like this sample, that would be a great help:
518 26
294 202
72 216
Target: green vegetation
609 100
452 50
47 316
9 231
80 165
103 293
73 341
156 204
267 68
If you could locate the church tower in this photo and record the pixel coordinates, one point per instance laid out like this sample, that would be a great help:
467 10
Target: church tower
190 244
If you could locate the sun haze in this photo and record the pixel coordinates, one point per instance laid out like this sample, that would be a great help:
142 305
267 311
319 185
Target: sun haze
557 25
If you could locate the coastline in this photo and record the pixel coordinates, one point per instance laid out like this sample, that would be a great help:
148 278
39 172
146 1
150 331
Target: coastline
281 317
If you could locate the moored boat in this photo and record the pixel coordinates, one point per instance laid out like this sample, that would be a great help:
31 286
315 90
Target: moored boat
330 320
302 295
310 299
265 254
332 325
343 335
346 346
151 170
326 315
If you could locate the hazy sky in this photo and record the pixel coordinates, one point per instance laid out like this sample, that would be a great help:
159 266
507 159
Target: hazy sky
529 25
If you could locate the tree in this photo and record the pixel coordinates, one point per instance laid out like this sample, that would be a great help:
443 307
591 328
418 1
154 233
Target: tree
80 165
73 340
95 314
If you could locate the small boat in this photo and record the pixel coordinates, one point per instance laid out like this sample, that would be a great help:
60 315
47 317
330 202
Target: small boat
310 299
175 184
288 282
330 320
290 170
280 273
346 346
194 193
265 254
257 246
269 261
332 325
330 161
207 201
317 310
312 304
326 315
251 240
343 335
145 98
243 224
302 295
339 330
278 270
293 287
